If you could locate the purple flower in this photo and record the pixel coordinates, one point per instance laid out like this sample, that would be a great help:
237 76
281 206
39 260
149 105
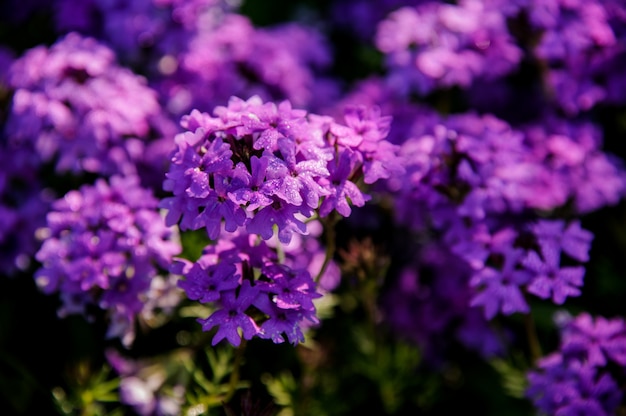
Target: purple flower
261 165
252 190
567 388
230 57
577 45
242 276
365 133
343 191
75 107
281 214
595 341
577 378
573 240
105 243
571 165
438 45
295 182
232 315
205 283
550 280
289 289
499 289
477 243
145 387
280 322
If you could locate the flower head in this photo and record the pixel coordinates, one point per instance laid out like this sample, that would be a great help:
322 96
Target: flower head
105 245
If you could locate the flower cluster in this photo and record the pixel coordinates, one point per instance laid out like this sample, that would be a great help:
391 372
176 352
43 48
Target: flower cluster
571 168
104 246
441 166
233 57
188 46
431 297
256 293
264 288
262 165
576 41
437 45
23 206
578 378
476 181
74 106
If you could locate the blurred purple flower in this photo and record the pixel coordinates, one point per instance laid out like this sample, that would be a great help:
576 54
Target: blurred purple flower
104 246
499 290
74 106
437 45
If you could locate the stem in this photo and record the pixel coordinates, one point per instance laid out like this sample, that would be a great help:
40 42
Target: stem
329 227
533 340
280 252
234 376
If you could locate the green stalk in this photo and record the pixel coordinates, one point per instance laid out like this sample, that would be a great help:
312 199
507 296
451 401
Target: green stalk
533 339
331 244
234 376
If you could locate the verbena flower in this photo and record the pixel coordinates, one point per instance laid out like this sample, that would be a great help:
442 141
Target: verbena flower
573 37
104 246
146 386
232 316
231 57
437 45
252 291
467 166
428 302
262 165
23 206
577 379
570 164
568 388
550 279
595 341
75 107
145 32
499 290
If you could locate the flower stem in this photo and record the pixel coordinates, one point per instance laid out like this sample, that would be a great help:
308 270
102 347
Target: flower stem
329 228
533 340
234 376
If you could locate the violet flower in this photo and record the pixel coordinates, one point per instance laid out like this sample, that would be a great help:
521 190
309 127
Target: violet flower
230 57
